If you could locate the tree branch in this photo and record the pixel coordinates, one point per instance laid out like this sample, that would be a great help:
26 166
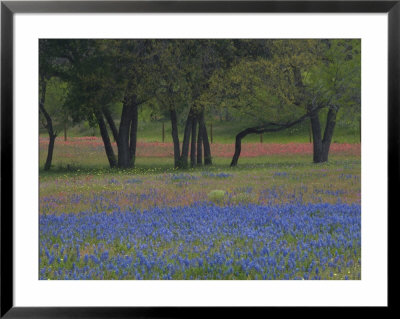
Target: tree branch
264 129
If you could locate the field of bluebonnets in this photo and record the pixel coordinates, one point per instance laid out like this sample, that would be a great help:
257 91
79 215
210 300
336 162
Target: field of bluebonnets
275 216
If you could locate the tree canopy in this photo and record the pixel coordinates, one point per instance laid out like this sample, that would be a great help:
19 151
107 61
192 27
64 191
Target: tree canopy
273 84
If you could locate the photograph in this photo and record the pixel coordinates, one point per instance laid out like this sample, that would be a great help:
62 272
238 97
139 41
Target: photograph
199 159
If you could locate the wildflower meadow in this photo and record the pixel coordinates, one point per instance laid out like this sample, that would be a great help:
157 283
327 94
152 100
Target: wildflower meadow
275 217
199 159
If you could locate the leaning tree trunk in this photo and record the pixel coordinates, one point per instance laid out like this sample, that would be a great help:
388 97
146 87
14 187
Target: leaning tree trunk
183 160
111 123
106 139
50 150
193 143
200 145
274 127
328 133
175 136
317 140
123 133
49 127
133 137
238 146
65 130
204 138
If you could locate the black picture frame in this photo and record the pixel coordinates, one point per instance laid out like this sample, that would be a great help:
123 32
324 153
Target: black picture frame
9 8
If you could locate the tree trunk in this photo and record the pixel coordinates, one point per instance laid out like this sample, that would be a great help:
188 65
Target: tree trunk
328 133
200 145
238 146
106 139
274 127
193 143
211 133
123 133
317 141
65 130
175 137
183 161
322 145
207 149
111 123
206 143
50 150
133 137
49 127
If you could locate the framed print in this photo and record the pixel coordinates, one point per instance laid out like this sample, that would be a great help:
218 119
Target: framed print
164 155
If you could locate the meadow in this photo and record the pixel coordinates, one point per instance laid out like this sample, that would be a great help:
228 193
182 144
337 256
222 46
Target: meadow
275 216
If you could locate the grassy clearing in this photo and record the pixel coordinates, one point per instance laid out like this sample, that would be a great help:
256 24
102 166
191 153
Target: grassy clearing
223 132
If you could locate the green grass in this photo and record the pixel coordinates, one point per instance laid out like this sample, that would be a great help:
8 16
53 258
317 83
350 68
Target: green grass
223 132
157 165
285 176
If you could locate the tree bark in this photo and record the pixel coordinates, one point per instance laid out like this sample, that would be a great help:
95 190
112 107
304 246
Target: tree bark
123 133
314 119
200 144
211 133
183 161
175 136
50 150
204 139
271 127
206 143
49 126
111 123
65 131
193 143
328 133
317 141
106 139
238 146
133 137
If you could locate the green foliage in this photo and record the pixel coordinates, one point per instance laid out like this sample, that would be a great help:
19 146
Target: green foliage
336 80
244 82
296 76
56 94
94 81
184 68
265 89
172 92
